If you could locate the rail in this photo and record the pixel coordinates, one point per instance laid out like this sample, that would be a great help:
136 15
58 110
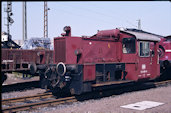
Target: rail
29 106
53 101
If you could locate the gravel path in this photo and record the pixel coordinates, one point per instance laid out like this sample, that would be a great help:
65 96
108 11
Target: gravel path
112 104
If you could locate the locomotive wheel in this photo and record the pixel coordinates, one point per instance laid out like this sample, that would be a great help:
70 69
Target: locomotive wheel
33 68
51 76
166 64
165 69
43 81
54 79
56 92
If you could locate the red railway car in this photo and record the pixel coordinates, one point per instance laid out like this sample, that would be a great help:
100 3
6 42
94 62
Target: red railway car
109 57
18 60
165 55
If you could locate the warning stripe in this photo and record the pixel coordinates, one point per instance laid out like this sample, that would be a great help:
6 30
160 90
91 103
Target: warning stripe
168 50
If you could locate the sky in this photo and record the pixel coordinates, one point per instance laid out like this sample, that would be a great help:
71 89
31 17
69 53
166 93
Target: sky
86 17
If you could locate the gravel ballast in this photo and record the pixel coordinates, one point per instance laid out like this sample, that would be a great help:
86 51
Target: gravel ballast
105 105
22 93
112 104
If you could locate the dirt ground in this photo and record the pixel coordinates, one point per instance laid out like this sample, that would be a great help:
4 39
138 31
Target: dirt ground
14 78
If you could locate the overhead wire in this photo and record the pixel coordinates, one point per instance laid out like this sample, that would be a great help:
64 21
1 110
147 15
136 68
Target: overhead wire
90 18
82 15
105 15
116 16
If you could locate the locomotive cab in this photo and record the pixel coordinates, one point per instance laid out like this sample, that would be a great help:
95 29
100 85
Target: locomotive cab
143 60
110 57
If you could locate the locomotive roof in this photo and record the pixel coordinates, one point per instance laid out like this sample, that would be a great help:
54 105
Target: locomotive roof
168 37
142 35
141 31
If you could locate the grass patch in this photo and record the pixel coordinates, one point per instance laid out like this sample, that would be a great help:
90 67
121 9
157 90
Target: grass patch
20 75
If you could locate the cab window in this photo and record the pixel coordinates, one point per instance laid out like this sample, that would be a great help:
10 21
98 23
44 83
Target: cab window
144 49
128 45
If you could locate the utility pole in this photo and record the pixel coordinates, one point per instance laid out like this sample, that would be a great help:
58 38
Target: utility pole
139 24
9 14
6 39
46 19
24 21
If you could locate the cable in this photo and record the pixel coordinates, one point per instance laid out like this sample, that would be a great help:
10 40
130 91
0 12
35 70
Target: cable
80 15
99 13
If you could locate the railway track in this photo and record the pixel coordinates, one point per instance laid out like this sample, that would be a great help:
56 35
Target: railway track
27 98
157 84
20 86
47 99
31 102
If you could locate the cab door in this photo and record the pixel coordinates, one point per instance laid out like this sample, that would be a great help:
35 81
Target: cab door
154 53
144 60
129 57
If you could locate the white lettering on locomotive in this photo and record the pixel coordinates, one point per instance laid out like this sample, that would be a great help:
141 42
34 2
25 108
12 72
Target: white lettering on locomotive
143 66
5 61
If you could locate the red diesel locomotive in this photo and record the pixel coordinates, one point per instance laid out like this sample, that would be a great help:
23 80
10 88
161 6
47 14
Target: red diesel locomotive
109 57
165 55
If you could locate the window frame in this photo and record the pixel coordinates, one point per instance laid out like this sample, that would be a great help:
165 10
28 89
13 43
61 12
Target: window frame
134 45
143 49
